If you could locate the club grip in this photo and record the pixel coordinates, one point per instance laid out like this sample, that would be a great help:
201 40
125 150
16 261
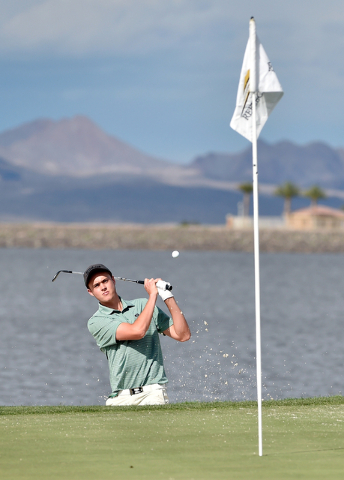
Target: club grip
168 287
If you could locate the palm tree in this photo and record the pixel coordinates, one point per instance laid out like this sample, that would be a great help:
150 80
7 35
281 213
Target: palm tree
247 189
288 190
315 193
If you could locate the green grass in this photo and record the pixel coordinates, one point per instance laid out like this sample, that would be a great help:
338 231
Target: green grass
302 438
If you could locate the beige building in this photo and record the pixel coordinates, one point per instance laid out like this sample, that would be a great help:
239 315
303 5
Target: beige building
242 223
317 217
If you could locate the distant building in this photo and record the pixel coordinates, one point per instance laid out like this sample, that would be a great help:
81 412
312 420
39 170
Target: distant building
241 223
317 217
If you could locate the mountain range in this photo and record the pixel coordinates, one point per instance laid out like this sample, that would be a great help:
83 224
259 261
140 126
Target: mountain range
315 163
70 170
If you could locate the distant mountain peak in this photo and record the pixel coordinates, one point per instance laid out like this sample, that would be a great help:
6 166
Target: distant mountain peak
72 146
24 131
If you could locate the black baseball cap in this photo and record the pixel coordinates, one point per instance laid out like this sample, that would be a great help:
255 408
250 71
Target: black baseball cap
92 269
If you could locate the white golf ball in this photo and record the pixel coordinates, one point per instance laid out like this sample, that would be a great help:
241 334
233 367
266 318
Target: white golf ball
175 254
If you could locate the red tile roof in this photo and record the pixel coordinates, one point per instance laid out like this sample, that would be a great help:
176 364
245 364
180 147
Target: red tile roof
321 210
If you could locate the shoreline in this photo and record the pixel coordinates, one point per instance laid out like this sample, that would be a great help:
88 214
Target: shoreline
166 237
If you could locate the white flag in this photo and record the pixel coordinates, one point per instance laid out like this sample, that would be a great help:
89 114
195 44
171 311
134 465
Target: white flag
269 92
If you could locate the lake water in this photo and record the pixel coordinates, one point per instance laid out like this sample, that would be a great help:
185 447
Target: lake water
48 357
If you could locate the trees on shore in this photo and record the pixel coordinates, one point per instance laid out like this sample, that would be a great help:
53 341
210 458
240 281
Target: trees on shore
247 189
288 190
315 193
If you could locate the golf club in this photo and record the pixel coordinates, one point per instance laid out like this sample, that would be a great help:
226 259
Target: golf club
141 282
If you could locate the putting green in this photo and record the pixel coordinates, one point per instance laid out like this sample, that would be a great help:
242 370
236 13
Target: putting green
302 439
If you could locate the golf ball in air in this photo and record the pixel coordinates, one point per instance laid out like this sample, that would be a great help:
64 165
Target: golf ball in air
175 253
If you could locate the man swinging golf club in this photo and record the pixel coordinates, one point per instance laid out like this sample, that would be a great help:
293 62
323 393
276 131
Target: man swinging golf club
127 332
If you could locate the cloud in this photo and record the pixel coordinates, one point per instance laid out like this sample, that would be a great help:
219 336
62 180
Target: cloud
81 27
298 32
84 27
301 34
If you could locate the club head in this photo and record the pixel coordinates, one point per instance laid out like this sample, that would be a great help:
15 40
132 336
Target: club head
58 273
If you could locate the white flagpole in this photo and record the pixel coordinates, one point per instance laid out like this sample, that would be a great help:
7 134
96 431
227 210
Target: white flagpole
253 89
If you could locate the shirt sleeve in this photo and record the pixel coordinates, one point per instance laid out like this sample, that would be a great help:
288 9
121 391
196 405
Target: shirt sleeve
163 321
104 330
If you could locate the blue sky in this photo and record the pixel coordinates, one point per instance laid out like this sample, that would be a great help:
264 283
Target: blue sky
162 75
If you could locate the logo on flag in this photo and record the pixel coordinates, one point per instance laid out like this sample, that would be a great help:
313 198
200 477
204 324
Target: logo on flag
268 94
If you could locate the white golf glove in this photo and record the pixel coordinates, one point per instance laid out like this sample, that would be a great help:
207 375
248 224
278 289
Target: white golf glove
161 286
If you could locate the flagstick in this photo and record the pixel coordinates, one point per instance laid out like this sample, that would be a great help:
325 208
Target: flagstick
257 280
256 231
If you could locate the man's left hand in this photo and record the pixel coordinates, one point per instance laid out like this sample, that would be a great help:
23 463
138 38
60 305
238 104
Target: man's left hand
161 286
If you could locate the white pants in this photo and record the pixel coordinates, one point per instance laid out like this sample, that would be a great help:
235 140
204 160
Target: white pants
152 395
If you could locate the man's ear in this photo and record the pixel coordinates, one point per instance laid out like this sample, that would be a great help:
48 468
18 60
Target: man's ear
89 291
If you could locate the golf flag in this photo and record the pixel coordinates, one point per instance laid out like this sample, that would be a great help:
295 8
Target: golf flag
268 92
258 93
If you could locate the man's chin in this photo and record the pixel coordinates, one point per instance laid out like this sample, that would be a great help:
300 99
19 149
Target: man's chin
106 300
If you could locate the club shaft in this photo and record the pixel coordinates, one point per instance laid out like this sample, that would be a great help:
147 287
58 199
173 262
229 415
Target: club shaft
141 282
129 280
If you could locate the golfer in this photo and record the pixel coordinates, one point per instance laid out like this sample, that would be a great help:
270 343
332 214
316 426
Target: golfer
127 332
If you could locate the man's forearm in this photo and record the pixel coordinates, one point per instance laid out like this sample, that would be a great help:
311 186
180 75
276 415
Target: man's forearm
180 325
138 329
143 321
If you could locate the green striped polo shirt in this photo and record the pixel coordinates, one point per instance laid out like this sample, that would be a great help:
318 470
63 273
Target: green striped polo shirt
132 363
